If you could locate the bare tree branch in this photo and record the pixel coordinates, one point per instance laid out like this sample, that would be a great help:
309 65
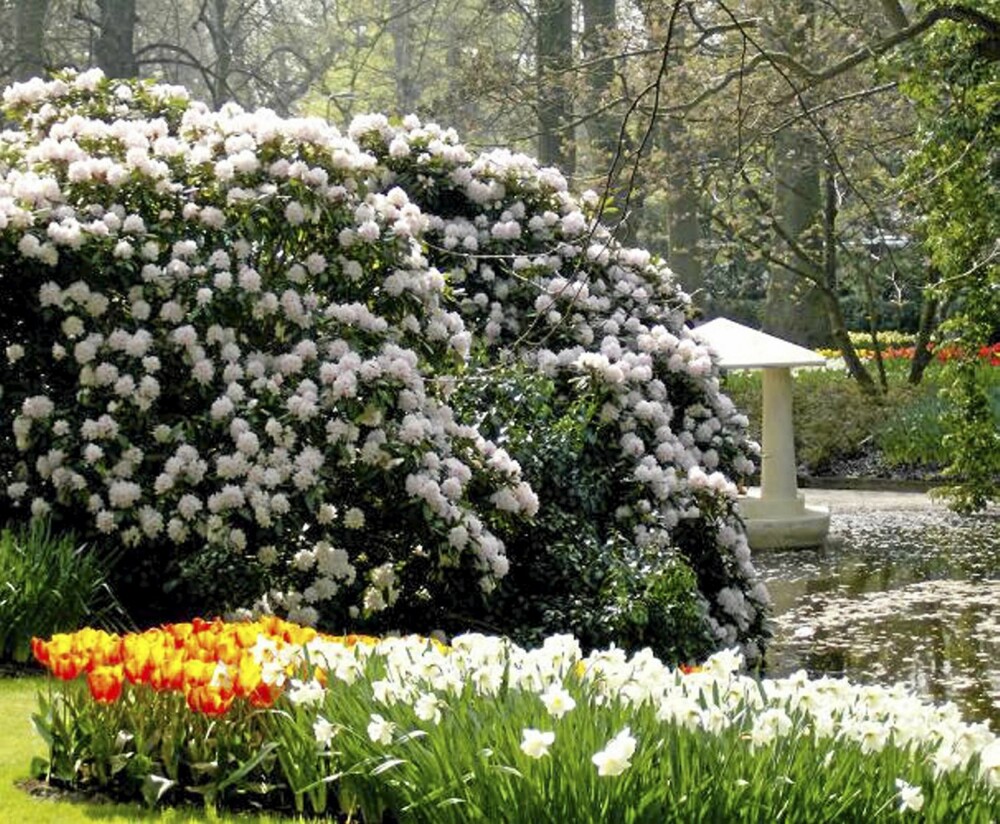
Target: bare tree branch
956 13
832 103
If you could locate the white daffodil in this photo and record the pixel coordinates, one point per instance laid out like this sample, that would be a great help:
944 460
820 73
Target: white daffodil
379 730
428 708
989 763
616 756
323 731
769 725
557 701
911 799
536 743
306 693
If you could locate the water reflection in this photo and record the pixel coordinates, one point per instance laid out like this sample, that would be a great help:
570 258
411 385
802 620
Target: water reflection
899 596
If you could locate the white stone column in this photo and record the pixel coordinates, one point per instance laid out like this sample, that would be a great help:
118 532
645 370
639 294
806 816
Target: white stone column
777 472
777 517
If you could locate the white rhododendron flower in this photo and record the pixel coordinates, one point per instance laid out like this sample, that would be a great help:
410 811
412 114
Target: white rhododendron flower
354 518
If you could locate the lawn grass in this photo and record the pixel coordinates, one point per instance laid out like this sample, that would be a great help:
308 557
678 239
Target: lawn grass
19 743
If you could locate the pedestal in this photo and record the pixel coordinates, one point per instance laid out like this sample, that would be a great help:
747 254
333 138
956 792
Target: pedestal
779 517
783 524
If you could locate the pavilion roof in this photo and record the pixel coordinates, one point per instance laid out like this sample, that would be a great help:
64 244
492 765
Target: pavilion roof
740 347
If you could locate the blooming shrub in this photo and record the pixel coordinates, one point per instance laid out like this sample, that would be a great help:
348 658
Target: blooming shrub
292 718
247 348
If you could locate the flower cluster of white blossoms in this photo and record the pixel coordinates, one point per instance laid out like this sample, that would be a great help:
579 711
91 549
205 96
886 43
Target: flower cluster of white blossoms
242 326
536 278
254 330
714 699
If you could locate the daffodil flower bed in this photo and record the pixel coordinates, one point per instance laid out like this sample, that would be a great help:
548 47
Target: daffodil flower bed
279 716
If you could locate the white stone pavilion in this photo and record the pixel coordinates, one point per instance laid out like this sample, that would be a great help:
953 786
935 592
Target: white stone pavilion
777 516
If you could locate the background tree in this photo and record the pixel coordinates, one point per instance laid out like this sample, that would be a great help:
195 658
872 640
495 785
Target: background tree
28 59
554 58
953 77
114 46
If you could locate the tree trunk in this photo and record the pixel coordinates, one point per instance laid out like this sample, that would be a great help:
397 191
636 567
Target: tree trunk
213 18
931 313
554 54
114 50
825 290
29 38
402 30
793 309
838 332
670 169
894 13
922 354
684 236
604 125
599 20
873 332
683 202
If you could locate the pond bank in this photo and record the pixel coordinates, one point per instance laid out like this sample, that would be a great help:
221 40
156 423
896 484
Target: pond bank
879 496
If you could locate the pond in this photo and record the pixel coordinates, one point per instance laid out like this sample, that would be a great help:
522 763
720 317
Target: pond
910 596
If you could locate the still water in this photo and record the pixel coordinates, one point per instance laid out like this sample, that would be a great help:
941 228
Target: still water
910 596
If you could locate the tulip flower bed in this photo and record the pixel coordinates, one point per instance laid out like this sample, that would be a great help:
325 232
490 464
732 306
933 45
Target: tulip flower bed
272 715
988 355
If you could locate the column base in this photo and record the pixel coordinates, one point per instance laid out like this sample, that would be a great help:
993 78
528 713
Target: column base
783 524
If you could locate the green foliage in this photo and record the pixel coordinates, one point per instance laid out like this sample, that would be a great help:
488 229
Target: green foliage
18 746
835 421
972 423
48 584
573 568
913 435
953 80
658 606
568 580
833 416
165 747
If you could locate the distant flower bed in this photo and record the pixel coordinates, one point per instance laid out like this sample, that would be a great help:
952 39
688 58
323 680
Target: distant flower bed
271 714
988 354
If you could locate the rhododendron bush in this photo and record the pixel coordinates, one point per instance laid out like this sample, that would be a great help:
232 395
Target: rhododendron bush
261 355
